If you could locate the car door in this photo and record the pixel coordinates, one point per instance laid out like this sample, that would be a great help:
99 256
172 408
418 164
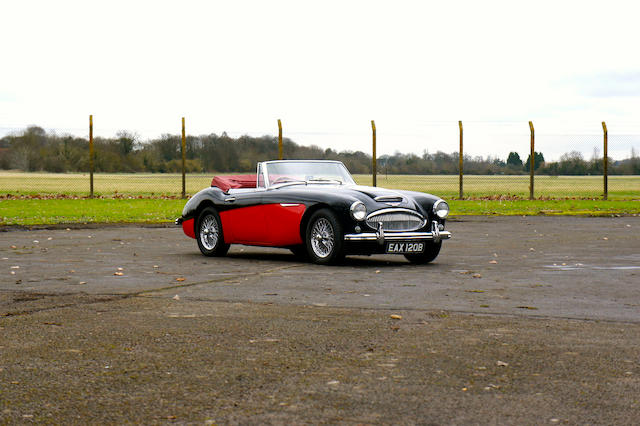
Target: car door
243 219
282 212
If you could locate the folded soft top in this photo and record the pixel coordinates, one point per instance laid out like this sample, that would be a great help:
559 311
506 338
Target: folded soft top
234 181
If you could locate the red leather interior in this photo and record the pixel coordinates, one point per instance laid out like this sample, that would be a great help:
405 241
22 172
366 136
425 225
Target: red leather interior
234 181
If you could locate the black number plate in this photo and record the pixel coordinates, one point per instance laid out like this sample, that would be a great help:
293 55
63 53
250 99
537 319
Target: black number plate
402 247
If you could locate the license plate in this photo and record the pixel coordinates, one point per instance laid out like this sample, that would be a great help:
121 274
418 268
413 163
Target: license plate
402 247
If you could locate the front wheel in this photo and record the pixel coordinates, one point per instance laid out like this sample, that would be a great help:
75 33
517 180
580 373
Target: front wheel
209 233
324 238
431 251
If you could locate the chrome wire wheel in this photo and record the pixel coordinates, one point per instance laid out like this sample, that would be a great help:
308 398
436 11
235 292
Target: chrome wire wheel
322 238
209 232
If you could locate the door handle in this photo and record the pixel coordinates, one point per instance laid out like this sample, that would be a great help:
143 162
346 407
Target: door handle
230 199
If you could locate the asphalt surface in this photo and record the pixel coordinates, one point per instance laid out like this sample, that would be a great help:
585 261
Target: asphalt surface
518 321
586 268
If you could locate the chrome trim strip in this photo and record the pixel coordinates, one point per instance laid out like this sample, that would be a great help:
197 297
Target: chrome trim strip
258 173
289 204
372 236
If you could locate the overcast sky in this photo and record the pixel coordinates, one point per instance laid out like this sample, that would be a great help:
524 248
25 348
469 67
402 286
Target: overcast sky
327 69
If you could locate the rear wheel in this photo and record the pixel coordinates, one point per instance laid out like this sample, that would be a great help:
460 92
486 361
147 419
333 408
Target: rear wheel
324 238
431 251
209 233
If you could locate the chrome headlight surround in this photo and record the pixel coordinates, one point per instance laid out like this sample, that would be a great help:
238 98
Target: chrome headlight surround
441 209
358 211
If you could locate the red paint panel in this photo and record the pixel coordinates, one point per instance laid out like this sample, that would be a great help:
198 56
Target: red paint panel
244 225
187 228
265 225
283 223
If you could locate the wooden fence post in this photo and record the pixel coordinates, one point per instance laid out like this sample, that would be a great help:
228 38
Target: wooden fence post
279 139
531 160
91 155
374 162
184 154
605 160
460 159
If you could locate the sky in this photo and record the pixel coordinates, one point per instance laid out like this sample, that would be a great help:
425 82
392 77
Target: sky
326 69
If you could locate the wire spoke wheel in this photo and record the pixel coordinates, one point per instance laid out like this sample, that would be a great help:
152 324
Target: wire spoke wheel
322 238
209 232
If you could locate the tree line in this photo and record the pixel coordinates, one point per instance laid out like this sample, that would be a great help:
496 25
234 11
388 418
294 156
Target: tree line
34 149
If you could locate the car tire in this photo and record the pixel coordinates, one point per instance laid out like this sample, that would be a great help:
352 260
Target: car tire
431 251
324 238
209 233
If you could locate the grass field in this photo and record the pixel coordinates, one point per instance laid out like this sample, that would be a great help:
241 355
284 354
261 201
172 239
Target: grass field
446 186
28 212
79 211
155 196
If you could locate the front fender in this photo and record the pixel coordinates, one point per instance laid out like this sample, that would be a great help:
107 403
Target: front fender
424 202
213 195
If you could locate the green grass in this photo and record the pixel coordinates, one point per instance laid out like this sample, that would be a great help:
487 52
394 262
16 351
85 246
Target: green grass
446 186
62 211
494 195
544 207
28 212
145 184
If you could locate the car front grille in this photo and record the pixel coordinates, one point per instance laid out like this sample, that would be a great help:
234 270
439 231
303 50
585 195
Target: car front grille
396 220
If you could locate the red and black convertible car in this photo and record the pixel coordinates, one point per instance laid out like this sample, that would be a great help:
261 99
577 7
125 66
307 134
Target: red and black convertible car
315 209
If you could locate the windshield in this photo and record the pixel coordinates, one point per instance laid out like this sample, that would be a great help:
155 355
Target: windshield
308 172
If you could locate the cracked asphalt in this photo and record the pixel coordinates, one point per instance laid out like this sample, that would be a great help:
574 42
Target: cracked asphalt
520 320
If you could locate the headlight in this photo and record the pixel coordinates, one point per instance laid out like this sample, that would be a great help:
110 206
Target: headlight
358 210
441 209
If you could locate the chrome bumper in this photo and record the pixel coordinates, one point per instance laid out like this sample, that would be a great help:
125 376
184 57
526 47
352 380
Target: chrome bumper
380 236
178 221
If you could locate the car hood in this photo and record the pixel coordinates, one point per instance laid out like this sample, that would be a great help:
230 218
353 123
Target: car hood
383 195
375 198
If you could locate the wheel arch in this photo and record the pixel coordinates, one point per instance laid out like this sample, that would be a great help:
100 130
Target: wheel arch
307 215
198 210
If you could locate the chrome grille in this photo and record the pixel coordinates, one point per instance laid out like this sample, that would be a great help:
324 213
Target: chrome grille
396 220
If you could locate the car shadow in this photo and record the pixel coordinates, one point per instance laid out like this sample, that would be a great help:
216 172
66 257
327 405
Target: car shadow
357 261
376 261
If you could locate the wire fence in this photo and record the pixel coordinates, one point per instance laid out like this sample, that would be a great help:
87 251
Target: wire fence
495 161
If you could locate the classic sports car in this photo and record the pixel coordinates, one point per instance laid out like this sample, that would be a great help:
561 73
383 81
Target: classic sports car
315 209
